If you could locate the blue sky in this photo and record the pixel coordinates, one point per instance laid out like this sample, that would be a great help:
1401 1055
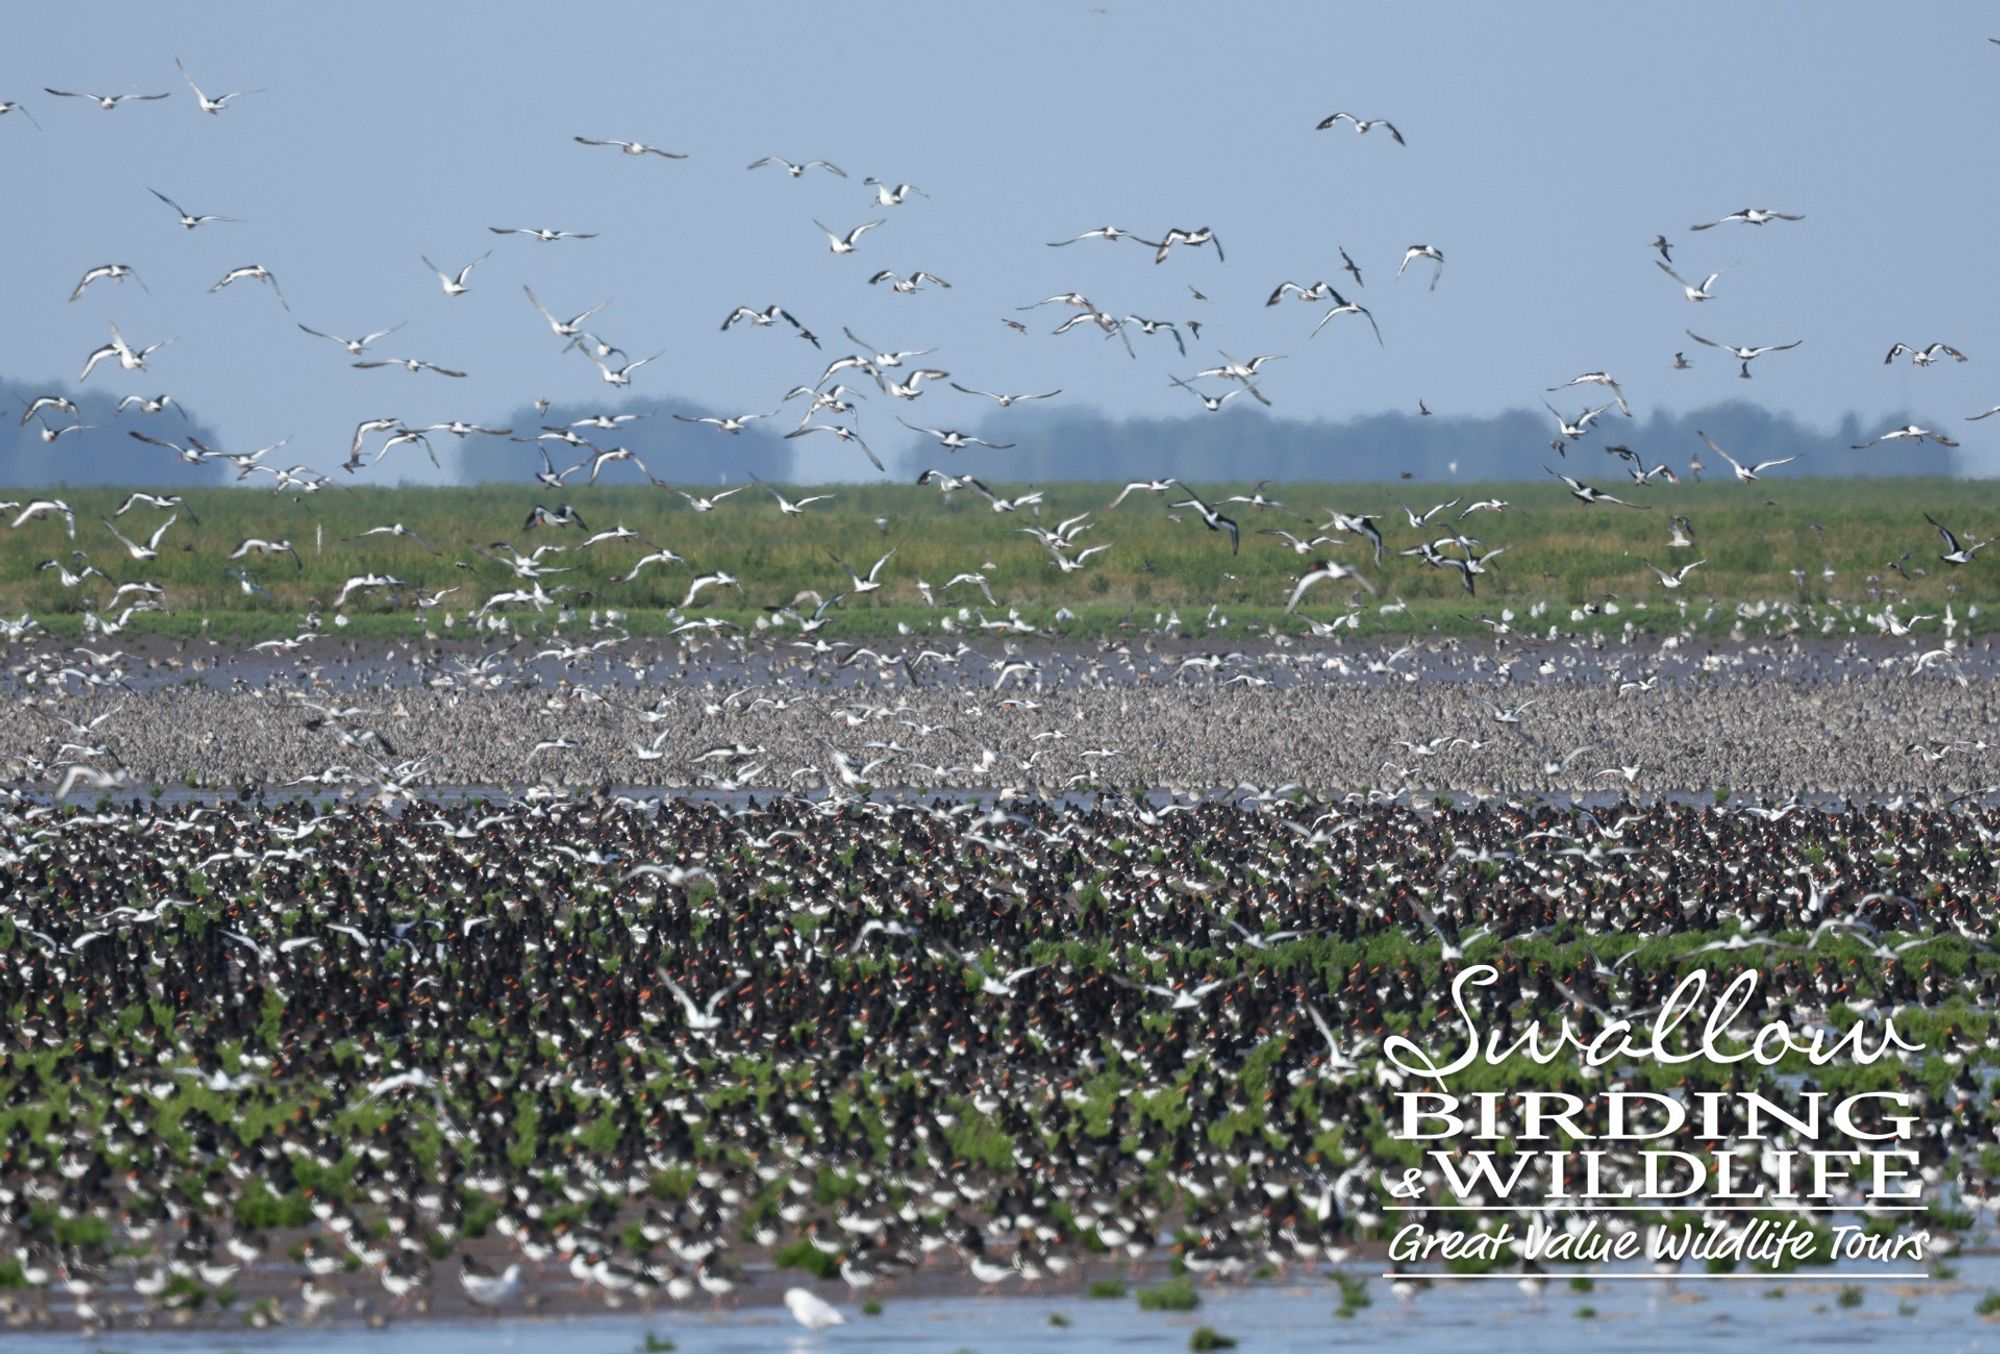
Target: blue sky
1547 146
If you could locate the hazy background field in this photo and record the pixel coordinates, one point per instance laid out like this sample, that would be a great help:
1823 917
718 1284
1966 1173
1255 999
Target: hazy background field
1556 551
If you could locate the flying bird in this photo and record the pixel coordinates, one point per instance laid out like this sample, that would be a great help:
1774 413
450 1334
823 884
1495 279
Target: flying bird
1688 289
768 316
1745 355
796 170
454 283
188 219
908 285
1955 552
203 101
1587 494
629 147
1909 432
1210 518
953 440
354 347
1362 126
1326 569
1754 216
129 358
16 106
1424 251
734 423
1005 401
1923 357
256 272
105 101
567 329
543 233
886 196
844 244
1175 235
115 272
151 549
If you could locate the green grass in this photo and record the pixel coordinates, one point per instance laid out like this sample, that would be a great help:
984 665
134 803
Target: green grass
1175 1295
1559 552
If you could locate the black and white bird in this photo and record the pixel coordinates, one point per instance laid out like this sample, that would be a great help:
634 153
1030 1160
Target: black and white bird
47 507
565 329
622 376
768 316
544 233
1212 403
151 549
203 101
1923 357
454 283
908 285
151 405
16 106
129 358
258 546
1586 494
255 272
1326 569
796 170
1424 251
888 196
1599 378
188 219
1362 126
355 346
1678 576
1572 432
114 272
1175 235
1109 233
844 244
1745 355
787 506
1005 401
845 434
908 387
1689 289
733 423
1909 432
1753 216
868 582
413 365
1211 519
629 147
953 440
1343 306
1956 552
707 504
105 101
1744 473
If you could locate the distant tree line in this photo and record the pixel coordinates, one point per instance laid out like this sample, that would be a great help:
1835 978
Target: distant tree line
1241 442
1246 443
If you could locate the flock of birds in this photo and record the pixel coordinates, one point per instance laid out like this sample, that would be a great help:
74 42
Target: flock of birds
829 405
346 1061
367 1055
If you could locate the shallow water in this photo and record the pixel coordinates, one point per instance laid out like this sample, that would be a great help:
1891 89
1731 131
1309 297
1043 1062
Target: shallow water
1637 1314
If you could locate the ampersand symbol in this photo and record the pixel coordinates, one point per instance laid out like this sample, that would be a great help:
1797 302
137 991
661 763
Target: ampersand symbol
1412 1186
